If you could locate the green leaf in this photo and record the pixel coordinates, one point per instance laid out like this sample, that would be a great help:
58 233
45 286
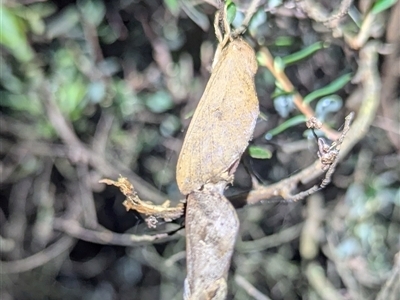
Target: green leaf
260 59
8 80
258 19
63 23
304 53
231 11
331 88
20 102
170 125
263 116
259 152
188 115
279 64
274 3
70 97
381 5
285 125
13 35
173 6
92 11
327 105
284 41
284 105
34 15
159 102
279 92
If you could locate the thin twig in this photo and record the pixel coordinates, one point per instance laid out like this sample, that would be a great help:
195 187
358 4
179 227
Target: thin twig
333 155
251 10
38 259
311 232
274 240
44 191
79 152
74 229
86 197
318 280
391 76
391 288
267 60
249 288
318 13
369 76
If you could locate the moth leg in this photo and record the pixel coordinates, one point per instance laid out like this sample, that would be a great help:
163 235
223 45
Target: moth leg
228 175
217 28
221 26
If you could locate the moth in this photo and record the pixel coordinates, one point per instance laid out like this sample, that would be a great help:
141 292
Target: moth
218 134
225 117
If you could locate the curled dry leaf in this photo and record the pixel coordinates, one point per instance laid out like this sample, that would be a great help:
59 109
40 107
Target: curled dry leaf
209 245
150 210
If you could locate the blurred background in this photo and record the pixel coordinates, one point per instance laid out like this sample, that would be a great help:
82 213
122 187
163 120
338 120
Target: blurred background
91 89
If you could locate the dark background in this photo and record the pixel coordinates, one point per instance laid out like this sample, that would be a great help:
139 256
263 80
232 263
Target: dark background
94 89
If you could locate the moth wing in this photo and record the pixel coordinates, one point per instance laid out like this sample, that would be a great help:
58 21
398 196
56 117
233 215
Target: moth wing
222 124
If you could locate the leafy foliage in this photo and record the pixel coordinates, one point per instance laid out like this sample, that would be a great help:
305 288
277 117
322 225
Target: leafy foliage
91 89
